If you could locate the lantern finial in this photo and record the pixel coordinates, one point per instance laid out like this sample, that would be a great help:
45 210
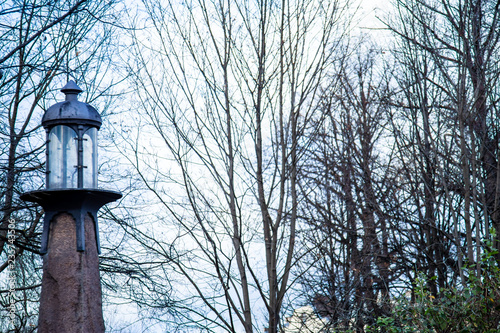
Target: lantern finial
71 90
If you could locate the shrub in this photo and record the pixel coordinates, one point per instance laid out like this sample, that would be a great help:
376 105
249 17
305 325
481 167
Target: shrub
474 308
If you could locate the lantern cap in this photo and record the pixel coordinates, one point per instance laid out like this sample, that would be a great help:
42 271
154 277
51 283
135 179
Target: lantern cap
71 111
71 88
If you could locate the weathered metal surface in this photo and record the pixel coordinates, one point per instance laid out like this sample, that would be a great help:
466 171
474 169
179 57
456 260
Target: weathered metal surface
78 203
71 111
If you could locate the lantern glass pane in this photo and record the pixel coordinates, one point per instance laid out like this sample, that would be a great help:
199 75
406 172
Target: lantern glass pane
90 158
62 158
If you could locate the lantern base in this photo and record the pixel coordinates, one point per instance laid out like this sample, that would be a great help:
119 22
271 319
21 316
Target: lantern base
76 201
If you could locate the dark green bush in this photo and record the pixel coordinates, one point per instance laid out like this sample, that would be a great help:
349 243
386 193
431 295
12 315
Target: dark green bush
473 308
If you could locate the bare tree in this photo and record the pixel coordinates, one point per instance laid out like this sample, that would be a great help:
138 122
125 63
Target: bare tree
224 91
348 197
450 59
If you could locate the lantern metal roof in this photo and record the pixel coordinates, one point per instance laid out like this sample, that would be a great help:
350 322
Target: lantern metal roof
71 111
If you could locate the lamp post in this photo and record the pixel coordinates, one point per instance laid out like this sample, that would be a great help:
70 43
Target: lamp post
71 299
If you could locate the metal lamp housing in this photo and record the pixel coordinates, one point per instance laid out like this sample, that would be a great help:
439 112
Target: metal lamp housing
71 166
71 128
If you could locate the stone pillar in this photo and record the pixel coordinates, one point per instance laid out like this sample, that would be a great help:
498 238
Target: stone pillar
70 300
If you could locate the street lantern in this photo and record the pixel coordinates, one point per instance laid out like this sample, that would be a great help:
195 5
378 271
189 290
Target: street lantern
71 166
71 128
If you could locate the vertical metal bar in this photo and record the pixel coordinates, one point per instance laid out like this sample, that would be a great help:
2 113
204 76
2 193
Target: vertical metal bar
63 133
80 156
47 164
